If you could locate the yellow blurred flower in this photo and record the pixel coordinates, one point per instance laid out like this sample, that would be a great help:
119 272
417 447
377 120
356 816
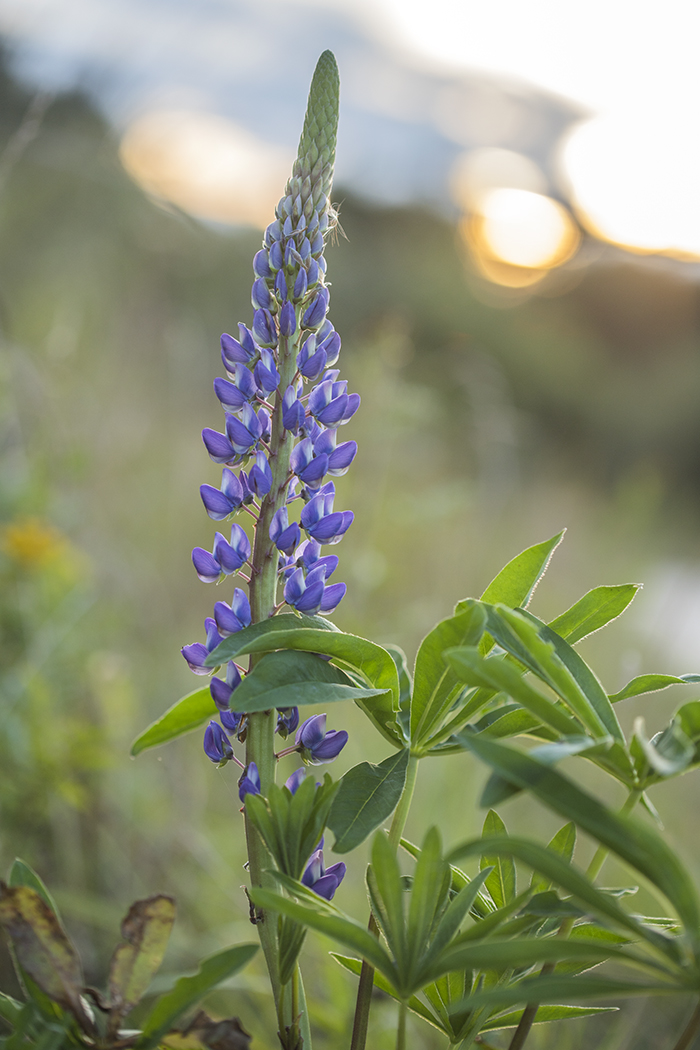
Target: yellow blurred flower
32 542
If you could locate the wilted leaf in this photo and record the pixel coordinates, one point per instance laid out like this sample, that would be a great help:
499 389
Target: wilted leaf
43 949
146 930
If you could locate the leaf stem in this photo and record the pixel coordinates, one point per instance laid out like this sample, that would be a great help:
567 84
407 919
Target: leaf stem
364 989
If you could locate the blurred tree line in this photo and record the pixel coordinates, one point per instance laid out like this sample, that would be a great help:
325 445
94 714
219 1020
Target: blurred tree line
488 421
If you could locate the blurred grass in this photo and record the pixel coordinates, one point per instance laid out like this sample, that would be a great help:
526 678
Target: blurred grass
486 425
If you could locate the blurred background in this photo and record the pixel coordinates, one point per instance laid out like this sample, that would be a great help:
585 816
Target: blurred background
518 291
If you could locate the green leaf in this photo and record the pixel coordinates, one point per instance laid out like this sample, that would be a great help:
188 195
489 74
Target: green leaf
558 663
637 844
189 990
146 931
434 681
290 678
506 954
43 949
502 676
498 789
554 989
563 845
291 825
10 1009
596 609
669 753
359 655
431 884
544 1015
652 683
332 924
515 583
187 714
501 882
386 894
367 795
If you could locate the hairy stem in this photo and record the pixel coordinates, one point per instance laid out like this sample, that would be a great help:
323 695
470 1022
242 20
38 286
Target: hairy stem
593 870
364 989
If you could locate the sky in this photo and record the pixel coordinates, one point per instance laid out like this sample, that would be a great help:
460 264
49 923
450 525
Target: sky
422 80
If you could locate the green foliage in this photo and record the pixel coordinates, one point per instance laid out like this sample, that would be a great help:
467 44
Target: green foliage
372 664
49 968
186 714
367 795
292 824
287 679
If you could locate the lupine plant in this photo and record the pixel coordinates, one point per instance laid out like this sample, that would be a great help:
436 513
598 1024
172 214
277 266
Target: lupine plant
448 934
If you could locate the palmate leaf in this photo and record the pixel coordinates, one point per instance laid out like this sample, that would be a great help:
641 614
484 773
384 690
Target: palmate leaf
637 844
565 875
558 664
372 663
545 1015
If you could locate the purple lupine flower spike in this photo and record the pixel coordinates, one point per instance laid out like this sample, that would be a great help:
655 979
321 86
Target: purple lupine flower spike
323 881
196 654
249 782
316 745
221 691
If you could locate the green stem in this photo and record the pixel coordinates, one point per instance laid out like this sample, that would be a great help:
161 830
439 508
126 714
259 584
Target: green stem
690 1031
304 1025
401 1030
263 595
364 989
592 871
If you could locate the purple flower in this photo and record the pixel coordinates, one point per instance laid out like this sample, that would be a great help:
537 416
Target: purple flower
219 447
283 535
220 503
288 321
266 375
305 593
315 314
287 721
216 744
264 328
332 597
323 881
238 351
293 411
249 782
316 745
234 617
318 520
221 691
196 654
293 783
260 476
243 433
